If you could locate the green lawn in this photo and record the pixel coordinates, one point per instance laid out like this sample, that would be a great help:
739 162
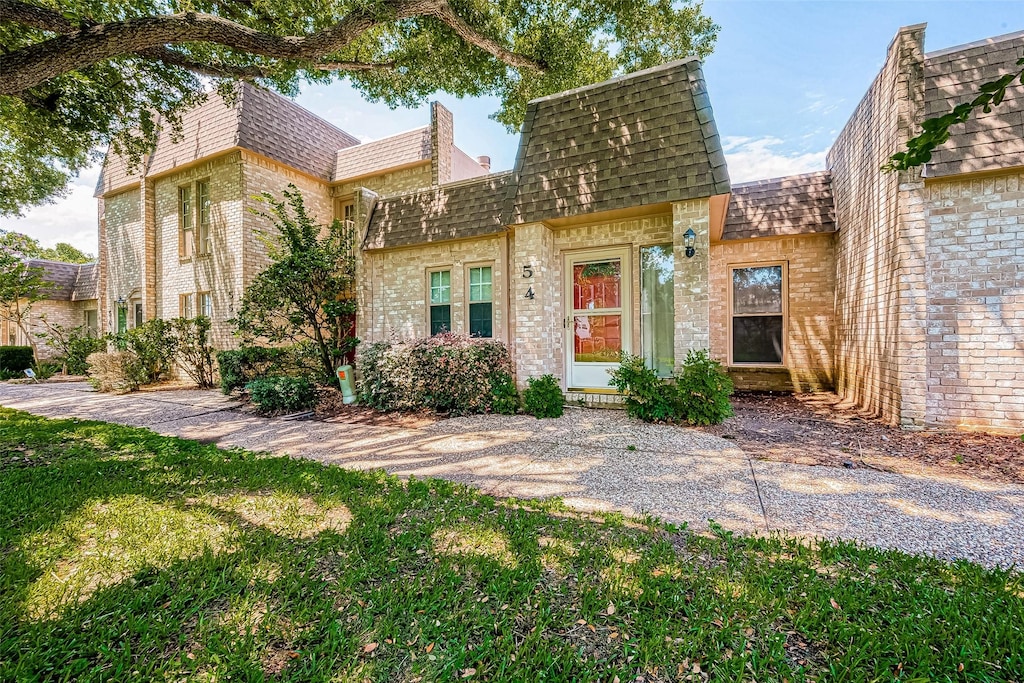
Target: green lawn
130 556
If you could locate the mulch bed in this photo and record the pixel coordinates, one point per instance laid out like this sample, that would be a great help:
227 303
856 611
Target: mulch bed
331 408
816 429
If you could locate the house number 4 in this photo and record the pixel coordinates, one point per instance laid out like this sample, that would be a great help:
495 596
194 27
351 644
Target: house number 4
529 293
527 271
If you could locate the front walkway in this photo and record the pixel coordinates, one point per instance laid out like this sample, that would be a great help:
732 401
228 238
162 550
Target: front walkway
599 460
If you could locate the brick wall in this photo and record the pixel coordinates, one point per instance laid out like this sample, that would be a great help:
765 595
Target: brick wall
537 322
65 313
975 276
123 252
880 297
808 353
387 184
692 286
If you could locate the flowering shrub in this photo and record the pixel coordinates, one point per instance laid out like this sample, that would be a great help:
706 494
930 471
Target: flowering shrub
449 373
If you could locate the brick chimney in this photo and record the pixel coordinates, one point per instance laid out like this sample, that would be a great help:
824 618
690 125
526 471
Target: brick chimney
442 138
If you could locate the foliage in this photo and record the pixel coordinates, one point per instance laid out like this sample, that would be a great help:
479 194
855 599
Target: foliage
14 360
193 352
282 394
449 373
21 285
505 397
935 131
155 346
72 344
239 367
68 91
306 293
207 559
45 369
543 397
699 393
117 371
29 247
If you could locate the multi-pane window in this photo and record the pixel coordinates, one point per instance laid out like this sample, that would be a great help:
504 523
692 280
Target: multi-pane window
348 212
139 317
186 219
205 304
481 302
657 307
757 315
187 305
440 301
203 195
92 323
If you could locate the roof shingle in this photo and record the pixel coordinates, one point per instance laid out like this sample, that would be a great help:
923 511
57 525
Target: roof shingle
794 205
390 152
68 281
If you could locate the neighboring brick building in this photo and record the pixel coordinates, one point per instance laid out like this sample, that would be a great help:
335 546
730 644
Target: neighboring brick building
618 230
71 301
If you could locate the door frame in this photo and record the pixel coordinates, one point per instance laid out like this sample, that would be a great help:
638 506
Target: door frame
625 253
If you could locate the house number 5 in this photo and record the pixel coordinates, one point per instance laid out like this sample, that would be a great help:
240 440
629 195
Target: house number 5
529 293
527 271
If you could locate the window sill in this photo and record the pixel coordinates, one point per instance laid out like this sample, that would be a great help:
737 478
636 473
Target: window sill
182 260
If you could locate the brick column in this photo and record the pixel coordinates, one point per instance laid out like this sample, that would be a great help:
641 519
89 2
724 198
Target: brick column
442 137
692 290
538 325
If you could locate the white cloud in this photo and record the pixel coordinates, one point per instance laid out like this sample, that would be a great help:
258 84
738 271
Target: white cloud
759 158
71 219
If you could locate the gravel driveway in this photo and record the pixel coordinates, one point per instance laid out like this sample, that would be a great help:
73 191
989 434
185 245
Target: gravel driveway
599 460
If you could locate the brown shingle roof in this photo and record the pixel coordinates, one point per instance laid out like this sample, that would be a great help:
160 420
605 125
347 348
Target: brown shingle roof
643 138
470 208
986 141
68 281
794 205
397 150
259 120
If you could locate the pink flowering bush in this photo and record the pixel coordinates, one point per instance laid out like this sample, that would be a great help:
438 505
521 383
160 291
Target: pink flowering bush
449 373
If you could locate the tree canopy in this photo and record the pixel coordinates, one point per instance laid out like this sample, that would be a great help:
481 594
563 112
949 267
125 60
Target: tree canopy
24 246
81 74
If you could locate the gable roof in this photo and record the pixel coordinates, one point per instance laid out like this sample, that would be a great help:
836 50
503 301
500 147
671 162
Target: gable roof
793 205
68 281
644 138
986 141
471 208
258 120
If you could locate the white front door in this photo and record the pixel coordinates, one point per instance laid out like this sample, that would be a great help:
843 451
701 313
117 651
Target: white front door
598 321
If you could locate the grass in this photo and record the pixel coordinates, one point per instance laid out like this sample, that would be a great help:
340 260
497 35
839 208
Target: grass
125 555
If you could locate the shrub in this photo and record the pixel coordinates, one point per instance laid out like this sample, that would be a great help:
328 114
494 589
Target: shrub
282 394
698 394
116 371
46 369
449 373
504 395
543 397
14 360
193 352
239 367
73 344
155 346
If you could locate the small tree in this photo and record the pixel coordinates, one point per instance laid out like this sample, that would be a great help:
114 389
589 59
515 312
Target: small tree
21 285
72 344
193 351
306 294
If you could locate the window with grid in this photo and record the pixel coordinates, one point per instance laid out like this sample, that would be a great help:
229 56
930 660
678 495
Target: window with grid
440 301
206 304
481 305
139 317
757 315
186 219
187 305
205 242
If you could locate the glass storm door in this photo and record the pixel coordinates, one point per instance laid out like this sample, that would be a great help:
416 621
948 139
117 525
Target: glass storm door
597 327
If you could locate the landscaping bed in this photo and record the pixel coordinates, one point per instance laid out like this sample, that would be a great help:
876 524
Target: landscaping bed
125 555
815 429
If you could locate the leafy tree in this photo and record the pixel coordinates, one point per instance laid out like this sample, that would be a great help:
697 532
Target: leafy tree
306 294
21 285
935 131
67 253
29 247
72 344
95 72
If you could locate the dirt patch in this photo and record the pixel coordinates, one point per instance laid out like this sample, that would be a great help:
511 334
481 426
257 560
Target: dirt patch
815 429
331 408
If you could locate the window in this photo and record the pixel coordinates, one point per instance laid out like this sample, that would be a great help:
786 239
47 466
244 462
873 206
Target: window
186 305
657 308
186 240
203 194
91 323
757 315
205 304
481 306
139 318
440 301
347 212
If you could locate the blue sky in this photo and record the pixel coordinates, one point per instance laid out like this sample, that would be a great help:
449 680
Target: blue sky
783 79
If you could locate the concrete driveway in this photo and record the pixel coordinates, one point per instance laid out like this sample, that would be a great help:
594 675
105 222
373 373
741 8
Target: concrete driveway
599 460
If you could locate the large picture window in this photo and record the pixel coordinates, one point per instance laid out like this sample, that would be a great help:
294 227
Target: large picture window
481 302
758 303
657 307
440 301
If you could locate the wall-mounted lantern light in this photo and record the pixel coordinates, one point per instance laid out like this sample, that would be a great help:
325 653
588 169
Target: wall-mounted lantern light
121 303
689 239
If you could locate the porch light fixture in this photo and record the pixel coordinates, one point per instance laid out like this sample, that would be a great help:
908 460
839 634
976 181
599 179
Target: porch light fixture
121 303
689 239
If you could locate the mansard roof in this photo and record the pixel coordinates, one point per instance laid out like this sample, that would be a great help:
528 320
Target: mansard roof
793 205
68 281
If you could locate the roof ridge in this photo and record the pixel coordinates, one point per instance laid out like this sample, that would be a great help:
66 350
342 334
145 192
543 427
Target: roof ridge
617 79
765 181
445 186
386 138
991 40
62 263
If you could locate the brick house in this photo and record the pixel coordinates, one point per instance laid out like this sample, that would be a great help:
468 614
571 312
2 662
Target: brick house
71 300
618 230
